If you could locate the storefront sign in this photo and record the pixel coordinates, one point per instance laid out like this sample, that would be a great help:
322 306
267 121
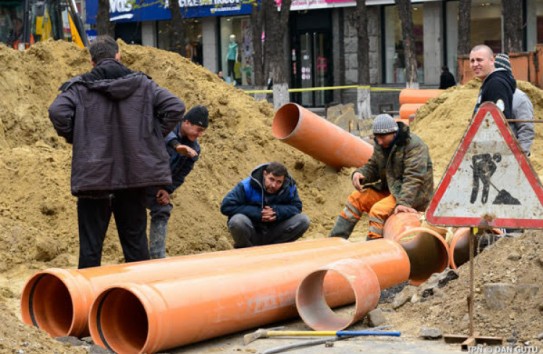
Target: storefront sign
157 10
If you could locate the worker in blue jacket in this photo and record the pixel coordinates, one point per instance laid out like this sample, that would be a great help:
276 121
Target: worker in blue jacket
265 208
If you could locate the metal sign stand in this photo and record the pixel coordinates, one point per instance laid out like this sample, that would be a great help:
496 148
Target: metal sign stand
473 338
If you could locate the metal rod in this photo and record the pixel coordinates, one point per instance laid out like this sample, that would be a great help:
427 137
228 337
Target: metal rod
523 121
471 282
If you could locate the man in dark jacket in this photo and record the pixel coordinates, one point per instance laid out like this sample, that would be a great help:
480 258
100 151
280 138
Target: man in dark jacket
446 79
184 150
498 85
265 208
115 120
398 178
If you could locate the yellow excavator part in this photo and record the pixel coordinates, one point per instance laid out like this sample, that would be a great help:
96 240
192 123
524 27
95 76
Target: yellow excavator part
76 37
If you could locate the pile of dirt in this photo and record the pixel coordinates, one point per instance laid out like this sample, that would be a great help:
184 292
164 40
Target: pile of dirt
38 222
515 266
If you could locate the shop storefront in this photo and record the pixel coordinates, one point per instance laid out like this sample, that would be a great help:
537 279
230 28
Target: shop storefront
208 24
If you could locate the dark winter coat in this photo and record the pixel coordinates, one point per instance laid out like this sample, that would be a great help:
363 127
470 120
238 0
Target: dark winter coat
408 170
180 165
116 120
249 197
498 87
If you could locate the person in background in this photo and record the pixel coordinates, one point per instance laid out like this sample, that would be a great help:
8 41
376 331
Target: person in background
116 120
184 150
446 79
498 85
522 110
265 208
398 178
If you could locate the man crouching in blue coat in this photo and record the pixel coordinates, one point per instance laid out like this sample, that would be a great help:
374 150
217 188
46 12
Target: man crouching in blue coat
265 208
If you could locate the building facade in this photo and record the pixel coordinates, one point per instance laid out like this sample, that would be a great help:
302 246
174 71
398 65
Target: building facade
323 38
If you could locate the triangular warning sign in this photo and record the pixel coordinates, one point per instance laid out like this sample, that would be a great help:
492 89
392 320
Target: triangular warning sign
489 181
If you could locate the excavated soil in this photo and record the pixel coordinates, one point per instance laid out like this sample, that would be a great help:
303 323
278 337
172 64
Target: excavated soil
38 223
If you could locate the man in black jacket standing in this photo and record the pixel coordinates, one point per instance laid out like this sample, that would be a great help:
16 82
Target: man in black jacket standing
116 120
498 85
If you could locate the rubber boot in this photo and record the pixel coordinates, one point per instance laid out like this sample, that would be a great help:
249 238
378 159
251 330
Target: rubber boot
157 238
342 228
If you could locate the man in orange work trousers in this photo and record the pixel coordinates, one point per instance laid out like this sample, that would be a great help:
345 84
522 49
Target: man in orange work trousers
398 178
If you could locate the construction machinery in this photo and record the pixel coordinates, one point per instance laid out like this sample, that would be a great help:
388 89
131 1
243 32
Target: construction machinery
24 22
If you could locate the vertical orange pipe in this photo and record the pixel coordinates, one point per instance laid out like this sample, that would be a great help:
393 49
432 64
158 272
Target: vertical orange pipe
58 300
319 138
313 306
170 313
428 252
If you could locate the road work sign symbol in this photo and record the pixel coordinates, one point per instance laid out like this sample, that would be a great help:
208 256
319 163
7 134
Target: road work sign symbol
489 181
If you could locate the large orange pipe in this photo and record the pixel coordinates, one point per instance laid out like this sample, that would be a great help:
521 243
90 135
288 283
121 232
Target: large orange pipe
58 300
312 304
156 316
418 95
428 252
459 246
319 138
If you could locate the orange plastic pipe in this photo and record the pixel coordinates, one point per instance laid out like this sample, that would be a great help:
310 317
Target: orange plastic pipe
315 310
319 138
418 95
58 300
459 246
409 109
428 252
151 317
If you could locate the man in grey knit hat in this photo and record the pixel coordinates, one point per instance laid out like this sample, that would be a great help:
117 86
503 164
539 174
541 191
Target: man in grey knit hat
398 178
522 110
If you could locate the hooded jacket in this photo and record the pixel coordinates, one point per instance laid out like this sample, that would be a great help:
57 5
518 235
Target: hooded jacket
180 165
498 87
406 170
249 197
116 120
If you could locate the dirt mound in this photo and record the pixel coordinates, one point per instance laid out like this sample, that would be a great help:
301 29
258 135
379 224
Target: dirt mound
516 264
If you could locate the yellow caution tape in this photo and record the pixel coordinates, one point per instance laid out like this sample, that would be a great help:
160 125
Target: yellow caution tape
327 88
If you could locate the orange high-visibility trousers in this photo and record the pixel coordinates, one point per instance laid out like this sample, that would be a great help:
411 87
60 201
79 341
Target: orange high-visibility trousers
378 205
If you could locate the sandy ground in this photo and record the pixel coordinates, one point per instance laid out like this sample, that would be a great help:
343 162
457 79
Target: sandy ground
38 227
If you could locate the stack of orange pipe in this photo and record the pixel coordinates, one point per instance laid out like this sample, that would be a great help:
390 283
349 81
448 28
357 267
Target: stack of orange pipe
150 317
412 99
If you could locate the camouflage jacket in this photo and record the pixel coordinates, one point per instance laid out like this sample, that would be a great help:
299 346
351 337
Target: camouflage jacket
408 171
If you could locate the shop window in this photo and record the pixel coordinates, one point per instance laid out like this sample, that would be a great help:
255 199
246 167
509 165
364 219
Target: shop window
486 26
237 50
394 49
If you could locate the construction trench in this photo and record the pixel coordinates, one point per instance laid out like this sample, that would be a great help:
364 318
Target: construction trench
39 231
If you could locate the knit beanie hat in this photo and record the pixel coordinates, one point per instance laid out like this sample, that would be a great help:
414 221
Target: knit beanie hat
502 61
198 115
384 124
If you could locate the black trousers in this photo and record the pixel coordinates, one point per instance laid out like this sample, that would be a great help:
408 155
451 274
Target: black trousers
128 209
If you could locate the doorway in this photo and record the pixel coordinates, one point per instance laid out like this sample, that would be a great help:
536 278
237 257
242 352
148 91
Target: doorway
311 58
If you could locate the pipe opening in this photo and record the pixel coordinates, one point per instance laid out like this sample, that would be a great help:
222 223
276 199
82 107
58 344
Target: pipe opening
459 246
334 286
121 321
46 303
427 251
285 121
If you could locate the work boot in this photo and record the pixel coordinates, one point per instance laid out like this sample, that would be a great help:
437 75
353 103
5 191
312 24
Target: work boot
342 228
157 238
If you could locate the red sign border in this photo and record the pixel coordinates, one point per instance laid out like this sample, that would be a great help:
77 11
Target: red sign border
531 176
